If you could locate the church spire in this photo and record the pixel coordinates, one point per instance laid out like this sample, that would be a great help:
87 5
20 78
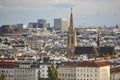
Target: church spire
71 22
71 37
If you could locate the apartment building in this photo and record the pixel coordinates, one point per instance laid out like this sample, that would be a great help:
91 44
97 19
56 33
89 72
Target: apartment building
43 69
85 70
67 71
92 71
115 73
24 70
19 71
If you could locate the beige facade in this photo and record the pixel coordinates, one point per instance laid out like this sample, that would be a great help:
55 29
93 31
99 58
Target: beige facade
115 73
67 73
115 76
84 71
93 73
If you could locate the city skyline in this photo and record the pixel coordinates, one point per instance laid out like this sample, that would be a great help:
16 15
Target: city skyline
86 12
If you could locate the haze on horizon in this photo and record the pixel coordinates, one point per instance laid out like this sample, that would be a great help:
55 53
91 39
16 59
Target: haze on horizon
85 12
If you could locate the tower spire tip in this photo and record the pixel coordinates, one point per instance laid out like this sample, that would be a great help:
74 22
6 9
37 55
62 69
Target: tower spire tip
71 10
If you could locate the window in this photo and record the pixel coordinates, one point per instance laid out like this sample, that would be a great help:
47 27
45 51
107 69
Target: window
43 75
90 75
63 74
68 75
95 70
59 74
81 74
87 70
74 75
84 70
91 70
87 75
81 70
71 75
95 75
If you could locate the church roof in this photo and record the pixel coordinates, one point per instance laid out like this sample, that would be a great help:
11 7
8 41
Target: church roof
84 50
107 50
91 50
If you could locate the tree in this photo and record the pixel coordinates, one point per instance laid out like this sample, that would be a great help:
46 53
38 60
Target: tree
2 77
103 55
52 73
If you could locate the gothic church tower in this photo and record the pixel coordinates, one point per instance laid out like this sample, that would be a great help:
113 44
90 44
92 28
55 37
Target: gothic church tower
71 37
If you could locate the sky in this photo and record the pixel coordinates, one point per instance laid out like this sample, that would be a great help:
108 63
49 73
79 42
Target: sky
85 12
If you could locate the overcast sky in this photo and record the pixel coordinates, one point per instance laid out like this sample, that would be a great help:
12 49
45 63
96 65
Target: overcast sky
86 12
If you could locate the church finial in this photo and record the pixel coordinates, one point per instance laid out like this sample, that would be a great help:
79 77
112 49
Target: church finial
71 10
71 22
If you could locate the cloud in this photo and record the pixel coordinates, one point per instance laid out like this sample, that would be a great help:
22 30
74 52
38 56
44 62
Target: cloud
84 10
1 7
63 5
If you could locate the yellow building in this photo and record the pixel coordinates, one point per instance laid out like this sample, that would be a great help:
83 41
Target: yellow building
85 70
92 71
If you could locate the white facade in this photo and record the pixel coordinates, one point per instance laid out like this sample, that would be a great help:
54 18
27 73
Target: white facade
20 74
26 71
43 70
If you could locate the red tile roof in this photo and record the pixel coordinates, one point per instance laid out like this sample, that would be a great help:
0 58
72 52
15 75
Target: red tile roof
68 64
7 58
7 64
91 64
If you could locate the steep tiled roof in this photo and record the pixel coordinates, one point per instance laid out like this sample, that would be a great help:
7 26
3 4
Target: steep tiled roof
90 50
91 64
84 50
107 50
7 64
68 64
115 70
7 58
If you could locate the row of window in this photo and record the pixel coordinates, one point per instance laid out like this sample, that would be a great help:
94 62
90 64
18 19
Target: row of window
87 75
77 79
16 71
79 70
78 75
67 75
87 70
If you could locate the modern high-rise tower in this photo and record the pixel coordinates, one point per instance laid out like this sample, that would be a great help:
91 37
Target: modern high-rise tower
71 37
43 24
61 24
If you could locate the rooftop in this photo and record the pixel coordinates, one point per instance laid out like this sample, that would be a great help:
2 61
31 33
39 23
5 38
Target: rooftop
91 64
